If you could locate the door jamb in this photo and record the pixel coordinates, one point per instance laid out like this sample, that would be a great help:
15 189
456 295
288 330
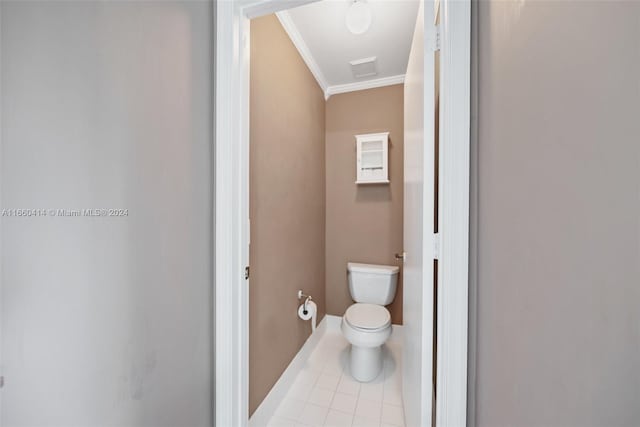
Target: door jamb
453 263
231 212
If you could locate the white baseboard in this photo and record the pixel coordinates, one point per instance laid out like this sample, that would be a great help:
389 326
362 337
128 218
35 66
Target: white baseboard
267 408
333 322
396 333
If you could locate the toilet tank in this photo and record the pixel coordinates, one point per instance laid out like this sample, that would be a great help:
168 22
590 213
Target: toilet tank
371 283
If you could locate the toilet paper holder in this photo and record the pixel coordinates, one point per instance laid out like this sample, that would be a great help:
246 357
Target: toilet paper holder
307 298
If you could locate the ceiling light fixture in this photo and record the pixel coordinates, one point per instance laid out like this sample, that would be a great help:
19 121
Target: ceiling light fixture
358 17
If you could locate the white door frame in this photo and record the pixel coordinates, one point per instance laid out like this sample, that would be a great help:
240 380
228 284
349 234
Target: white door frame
231 18
453 227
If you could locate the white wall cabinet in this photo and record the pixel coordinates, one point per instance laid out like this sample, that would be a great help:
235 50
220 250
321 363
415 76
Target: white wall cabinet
372 158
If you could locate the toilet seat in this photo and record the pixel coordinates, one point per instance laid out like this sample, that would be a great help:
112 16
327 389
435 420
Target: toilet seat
367 317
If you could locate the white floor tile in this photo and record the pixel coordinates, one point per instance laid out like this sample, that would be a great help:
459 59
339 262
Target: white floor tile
281 422
313 415
325 395
328 381
364 422
308 376
316 361
369 409
290 408
338 419
393 415
392 395
393 379
372 391
379 379
344 402
393 387
348 385
323 350
345 360
321 396
333 367
391 368
335 340
299 391
393 382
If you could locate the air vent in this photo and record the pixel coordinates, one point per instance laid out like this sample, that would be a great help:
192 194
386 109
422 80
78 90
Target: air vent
365 67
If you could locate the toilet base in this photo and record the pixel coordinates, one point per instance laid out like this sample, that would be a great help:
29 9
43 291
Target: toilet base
366 363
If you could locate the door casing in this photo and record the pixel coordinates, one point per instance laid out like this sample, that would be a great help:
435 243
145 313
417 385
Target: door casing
231 211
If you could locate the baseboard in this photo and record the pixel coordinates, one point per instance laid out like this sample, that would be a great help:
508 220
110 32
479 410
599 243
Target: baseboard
396 333
267 408
333 322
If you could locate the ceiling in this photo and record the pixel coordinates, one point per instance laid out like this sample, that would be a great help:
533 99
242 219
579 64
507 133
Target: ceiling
319 32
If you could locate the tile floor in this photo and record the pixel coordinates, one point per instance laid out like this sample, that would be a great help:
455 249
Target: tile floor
324 394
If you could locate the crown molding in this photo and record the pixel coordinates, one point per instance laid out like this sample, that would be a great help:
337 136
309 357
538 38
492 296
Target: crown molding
296 38
367 84
257 8
293 33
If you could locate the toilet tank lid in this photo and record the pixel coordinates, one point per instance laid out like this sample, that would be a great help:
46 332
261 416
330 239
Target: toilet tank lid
373 268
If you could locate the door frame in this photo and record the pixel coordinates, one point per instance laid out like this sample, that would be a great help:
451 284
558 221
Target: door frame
231 211
453 227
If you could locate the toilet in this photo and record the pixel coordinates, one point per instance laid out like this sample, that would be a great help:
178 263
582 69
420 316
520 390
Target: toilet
367 323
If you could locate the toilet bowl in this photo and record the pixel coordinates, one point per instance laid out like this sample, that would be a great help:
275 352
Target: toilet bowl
366 327
367 323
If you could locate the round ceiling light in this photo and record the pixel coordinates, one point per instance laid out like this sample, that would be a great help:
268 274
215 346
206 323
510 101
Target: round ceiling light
358 17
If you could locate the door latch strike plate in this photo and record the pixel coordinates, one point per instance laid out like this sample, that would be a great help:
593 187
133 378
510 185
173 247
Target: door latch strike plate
246 273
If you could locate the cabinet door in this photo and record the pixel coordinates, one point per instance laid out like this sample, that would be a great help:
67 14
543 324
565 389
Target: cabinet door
372 158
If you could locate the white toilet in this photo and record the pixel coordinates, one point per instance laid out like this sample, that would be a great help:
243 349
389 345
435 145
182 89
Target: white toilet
367 323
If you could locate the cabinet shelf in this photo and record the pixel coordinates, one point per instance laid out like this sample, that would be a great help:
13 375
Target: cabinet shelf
381 181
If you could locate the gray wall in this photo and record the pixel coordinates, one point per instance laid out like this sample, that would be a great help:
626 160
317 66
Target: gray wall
558 220
106 321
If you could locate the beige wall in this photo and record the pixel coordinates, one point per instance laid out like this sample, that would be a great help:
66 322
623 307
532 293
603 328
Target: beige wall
364 222
558 219
287 198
